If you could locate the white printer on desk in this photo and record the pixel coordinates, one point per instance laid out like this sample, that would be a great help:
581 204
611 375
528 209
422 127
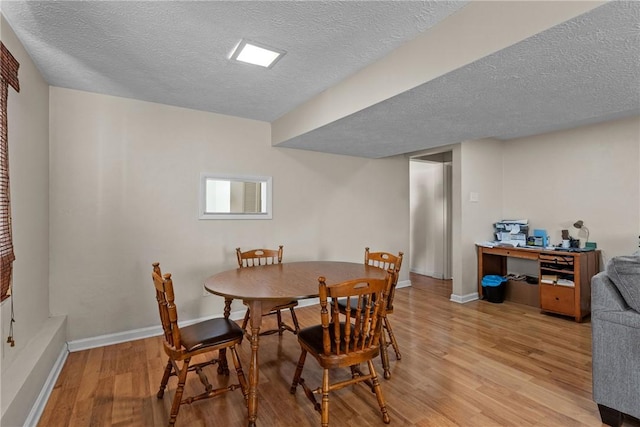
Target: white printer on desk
512 232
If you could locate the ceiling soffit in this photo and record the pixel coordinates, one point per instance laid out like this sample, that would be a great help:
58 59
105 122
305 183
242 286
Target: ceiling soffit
585 70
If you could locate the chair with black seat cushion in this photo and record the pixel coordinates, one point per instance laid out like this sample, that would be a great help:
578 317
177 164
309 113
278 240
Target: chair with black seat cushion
345 339
384 261
181 344
257 257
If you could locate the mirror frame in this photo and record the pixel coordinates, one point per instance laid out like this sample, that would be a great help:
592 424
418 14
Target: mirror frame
237 178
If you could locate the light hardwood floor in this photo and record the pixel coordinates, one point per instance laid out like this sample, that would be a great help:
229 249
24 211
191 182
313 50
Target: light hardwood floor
476 364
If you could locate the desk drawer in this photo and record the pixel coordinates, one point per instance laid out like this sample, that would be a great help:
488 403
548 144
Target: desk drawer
511 252
558 299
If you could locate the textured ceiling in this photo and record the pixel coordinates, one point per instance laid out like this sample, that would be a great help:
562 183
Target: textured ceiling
176 52
585 70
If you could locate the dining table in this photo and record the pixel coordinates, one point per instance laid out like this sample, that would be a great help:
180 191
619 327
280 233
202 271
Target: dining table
264 287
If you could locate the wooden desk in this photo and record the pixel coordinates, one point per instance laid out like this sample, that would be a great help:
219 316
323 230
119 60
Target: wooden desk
576 266
264 287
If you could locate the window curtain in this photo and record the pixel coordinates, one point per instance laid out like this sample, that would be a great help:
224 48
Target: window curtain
9 77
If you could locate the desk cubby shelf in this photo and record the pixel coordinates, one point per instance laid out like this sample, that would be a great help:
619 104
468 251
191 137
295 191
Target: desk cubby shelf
566 289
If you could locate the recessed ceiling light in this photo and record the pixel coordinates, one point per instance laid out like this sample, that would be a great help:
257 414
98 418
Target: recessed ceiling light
257 54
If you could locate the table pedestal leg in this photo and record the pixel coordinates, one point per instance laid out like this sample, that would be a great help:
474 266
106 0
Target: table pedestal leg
256 320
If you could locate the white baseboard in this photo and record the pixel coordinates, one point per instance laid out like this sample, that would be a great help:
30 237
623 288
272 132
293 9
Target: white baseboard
419 271
117 338
152 331
134 334
403 284
461 299
43 397
307 302
434 274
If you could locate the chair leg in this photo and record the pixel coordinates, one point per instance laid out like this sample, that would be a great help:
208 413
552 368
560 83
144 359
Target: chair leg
165 379
610 416
281 327
294 318
324 413
298 373
284 327
384 356
354 370
177 399
392 338
241 378
378 391
223 366
245 321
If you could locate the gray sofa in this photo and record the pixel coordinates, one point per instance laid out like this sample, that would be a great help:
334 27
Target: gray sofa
615 325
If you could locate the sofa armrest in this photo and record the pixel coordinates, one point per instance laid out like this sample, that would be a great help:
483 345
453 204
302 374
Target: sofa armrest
615 348
628 318
605 296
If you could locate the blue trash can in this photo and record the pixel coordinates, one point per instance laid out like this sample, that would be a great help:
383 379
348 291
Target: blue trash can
493 287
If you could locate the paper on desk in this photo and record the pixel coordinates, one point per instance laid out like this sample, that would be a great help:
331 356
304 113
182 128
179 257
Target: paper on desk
565 282
510 243
515 221
515 229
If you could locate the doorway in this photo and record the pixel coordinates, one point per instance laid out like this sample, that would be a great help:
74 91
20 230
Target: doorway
430 195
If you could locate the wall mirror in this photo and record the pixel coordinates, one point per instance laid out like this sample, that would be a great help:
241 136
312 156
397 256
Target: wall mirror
235 197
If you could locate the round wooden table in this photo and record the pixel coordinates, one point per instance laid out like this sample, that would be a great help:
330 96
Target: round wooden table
264 287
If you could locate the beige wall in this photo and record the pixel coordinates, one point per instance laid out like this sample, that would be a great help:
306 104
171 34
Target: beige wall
590 173
124 180
480 173
38 341
476 167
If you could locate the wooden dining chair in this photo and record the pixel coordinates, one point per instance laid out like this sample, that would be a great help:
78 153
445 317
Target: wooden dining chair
339 343
181 344
257 257
384 261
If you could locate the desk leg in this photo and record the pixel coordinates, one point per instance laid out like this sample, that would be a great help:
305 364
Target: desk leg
256 321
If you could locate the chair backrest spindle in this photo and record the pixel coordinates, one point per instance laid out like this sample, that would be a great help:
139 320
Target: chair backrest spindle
386 261
256 257
340 335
